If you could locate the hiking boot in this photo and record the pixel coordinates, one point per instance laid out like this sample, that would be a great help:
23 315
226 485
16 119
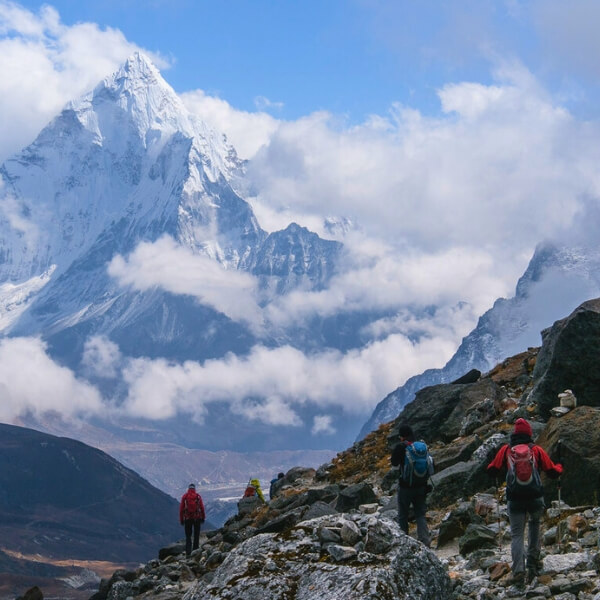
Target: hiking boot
533 569
517 579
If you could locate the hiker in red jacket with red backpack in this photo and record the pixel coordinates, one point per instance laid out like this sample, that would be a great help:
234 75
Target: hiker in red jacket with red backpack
523 461
191 515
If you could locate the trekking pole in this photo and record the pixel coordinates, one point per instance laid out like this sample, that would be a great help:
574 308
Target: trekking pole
558 525
498 514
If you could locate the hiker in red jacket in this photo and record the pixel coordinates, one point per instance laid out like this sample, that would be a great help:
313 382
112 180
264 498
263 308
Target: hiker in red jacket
523 461
191 515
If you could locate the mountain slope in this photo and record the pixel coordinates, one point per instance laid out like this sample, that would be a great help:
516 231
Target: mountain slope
63 499
557 279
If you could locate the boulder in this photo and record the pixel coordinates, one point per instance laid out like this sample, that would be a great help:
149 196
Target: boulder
439 411
458 481
569 359
319 509
579 434
282 522
475 537
33 593
471 377
459 451
355 495
171 550
456 523
295 565
248 505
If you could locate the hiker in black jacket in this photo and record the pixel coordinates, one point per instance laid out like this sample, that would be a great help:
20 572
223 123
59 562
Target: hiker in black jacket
414 493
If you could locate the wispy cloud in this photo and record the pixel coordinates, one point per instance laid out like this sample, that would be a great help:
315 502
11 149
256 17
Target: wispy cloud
177 269
246 131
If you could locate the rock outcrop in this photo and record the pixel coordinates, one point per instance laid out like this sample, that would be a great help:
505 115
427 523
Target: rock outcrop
331 558
579 435
569 359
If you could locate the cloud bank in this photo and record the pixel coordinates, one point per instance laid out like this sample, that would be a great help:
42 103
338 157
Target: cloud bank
32 383
176 269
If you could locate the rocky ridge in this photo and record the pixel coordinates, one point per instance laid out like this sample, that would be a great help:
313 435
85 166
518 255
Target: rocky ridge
511 324
332 533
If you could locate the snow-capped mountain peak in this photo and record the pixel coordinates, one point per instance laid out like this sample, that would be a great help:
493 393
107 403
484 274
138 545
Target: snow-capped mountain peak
127 149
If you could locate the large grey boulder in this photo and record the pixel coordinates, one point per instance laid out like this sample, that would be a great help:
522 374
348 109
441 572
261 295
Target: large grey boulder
297 565
475 537
248 505
579 434
465 478
569 359
442 411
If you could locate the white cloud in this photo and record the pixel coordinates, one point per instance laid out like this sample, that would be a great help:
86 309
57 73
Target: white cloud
44 64
246 131
101 357
14 214
284 377
177 269
502 169
262 103
322 424
31 382
272 410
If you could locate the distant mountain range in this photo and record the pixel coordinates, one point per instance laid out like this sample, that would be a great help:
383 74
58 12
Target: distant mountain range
557 279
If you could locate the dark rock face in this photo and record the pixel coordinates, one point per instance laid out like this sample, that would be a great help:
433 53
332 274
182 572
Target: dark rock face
451 454
467 477
455 524
570 359
33 593
471 377
579 434
439 411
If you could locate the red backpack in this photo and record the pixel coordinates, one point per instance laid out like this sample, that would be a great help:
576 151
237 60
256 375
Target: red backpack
250 491
191 506
523 480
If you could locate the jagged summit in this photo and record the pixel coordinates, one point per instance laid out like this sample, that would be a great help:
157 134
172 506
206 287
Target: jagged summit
127 149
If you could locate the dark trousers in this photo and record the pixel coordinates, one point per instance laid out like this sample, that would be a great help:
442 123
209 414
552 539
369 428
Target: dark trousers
416 497
189 525
518 513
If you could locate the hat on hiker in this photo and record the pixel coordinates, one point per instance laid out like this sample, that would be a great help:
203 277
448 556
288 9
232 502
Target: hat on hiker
522 426
192 486
406 432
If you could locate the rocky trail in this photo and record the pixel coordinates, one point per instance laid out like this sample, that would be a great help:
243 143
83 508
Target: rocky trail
332 533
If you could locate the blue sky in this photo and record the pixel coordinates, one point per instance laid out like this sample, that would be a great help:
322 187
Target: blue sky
352 57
